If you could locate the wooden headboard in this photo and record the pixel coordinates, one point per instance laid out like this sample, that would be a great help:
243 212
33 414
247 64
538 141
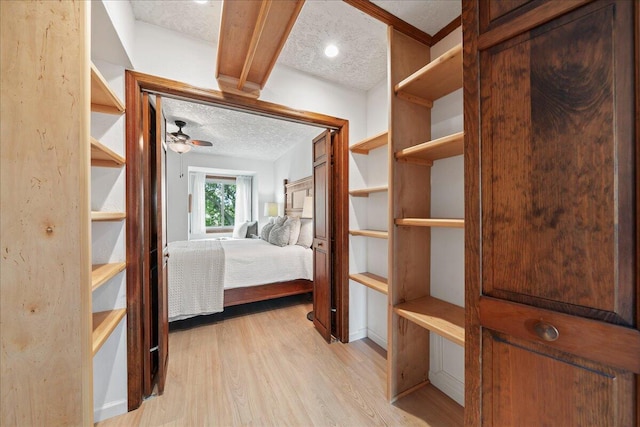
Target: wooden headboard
294 194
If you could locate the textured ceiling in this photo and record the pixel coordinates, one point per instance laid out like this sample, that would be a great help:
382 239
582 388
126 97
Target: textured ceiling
234 133
362 40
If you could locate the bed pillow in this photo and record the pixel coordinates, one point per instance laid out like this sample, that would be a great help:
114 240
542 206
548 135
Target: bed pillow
280 233
294 223
266 230
252 228
240 230
305 239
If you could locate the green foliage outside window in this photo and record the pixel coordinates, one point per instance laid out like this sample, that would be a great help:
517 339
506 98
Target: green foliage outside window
220 204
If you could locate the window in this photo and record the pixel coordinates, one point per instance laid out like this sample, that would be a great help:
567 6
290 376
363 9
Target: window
219 202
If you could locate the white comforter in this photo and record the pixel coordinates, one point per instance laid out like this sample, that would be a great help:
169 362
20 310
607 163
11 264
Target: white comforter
200 270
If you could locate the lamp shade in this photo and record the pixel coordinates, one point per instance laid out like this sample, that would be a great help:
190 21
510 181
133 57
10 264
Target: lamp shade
307 209
179 147
270 209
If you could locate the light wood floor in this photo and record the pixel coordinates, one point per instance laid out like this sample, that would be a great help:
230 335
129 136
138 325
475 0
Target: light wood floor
264 364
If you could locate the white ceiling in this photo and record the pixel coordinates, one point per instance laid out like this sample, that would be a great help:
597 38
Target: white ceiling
235 133
361 63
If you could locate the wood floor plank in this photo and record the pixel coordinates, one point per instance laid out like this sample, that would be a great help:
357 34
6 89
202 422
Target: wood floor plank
264 364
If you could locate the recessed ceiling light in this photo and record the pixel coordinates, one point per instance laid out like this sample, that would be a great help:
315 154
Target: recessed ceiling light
331 50
201 1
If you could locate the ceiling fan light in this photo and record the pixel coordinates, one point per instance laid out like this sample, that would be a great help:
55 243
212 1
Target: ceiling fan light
179 147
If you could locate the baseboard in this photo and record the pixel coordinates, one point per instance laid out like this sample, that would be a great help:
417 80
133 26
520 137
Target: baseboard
110 410
440 378
448 385
358 335
376 338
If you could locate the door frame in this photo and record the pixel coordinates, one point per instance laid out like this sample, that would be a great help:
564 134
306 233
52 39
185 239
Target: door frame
135 84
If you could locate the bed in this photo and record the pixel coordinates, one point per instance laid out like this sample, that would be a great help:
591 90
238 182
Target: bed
207 275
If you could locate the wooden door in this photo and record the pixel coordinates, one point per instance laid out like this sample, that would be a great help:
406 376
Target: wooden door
322 271
161 244
551 213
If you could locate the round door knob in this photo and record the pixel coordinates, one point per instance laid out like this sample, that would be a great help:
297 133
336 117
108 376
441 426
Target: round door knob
546 331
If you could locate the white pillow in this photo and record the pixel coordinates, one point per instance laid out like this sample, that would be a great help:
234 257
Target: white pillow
294 223
306 233
240 230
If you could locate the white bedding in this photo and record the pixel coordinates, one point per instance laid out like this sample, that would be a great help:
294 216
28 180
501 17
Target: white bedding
196 278
250 262
200 270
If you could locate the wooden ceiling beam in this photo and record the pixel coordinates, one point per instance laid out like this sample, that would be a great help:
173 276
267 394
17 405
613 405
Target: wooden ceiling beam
380 14
252 35
255 39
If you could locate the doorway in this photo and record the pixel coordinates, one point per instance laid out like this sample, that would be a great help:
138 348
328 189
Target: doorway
137 85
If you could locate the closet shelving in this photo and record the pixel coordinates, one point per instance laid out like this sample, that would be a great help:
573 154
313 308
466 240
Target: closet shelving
376 234
364 192
371 280
415 312
104 100
371 143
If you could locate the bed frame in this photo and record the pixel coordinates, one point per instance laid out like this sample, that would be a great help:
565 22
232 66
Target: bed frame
294 194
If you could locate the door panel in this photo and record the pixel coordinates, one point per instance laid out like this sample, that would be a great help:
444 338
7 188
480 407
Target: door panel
551 215
567 391
322 256
556 171
162 251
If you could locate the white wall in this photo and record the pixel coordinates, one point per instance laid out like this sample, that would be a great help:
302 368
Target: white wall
178 187
447 253
296 163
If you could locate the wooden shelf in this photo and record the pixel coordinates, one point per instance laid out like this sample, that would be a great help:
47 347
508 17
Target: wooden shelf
441 148
101 273
366 145
371 280
104 323
364 192
103 156
370 233
438 78
103 100
108 216
440 317
431 222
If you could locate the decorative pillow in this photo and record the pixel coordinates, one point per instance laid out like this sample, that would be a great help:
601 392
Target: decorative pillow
294 223
279 234
240 230
266 230
305 239
252 228
280 220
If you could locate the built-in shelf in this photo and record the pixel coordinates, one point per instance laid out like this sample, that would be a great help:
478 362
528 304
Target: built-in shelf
366 145
103 99
438 78
441 148
370 233
103 156
107 216
101 273
430 222
371 280
104 323
440 317
364 192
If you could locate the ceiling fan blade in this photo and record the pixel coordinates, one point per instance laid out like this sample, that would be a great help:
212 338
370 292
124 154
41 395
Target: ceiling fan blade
200 143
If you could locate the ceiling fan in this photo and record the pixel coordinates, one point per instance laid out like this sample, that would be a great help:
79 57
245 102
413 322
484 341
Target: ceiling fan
181 142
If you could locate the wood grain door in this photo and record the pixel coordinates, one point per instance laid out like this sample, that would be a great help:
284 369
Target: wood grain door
322 271
161 244
551 213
